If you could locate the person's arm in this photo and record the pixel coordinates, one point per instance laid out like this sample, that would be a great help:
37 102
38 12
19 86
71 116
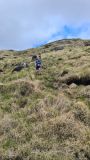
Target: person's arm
35 63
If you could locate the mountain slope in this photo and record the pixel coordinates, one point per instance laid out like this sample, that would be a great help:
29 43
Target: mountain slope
46 116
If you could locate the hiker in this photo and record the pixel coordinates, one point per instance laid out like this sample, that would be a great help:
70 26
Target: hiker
38 63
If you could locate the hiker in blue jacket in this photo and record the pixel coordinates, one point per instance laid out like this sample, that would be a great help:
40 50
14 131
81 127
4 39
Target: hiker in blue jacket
38 63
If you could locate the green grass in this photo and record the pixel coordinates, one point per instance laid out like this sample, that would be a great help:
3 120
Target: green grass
41 117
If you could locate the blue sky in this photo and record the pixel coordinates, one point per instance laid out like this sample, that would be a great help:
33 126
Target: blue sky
31 23
69 32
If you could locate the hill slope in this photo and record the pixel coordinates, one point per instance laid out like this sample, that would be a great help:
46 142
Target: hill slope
46 116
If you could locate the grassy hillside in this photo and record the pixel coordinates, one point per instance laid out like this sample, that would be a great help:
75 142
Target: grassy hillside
46 116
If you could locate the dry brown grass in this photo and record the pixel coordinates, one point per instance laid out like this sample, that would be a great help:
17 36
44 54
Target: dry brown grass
46 116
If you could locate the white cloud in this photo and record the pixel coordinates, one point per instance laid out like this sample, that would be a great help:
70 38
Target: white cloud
25 23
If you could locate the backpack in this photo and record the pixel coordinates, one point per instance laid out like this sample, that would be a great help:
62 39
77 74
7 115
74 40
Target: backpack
38 62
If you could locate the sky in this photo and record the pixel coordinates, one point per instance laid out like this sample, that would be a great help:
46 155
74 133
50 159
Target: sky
31 23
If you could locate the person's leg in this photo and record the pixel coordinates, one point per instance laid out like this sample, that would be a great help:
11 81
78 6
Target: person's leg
37 69
40 70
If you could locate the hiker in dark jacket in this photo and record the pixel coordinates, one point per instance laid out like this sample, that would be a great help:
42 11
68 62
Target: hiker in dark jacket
38 63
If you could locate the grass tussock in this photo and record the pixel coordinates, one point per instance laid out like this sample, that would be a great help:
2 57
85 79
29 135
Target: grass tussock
46 116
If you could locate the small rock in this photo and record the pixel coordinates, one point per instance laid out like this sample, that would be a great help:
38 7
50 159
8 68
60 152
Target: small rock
19 67
73 85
